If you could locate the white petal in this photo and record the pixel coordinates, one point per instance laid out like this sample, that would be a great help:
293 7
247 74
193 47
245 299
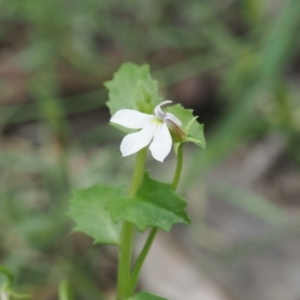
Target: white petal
134 142
130 118
162 143
171 117
158 111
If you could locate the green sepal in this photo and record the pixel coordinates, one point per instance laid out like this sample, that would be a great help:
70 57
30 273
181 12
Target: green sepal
88 210
146 296
132 88
192 129
155 205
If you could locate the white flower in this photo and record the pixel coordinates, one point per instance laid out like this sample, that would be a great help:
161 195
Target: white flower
154 131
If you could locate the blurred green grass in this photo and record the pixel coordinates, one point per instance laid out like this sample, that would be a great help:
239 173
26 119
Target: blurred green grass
54 57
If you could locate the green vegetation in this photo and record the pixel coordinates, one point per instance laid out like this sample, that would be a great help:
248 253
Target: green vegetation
55 56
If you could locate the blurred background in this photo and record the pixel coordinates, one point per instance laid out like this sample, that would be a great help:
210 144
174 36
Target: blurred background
235 62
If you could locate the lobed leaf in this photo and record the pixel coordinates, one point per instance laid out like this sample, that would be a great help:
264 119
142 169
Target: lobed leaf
132 88
155 205
88 210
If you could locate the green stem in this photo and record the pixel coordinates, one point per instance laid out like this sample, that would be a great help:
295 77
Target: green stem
64 291
141 258
124 267
138 172
125 247
178 170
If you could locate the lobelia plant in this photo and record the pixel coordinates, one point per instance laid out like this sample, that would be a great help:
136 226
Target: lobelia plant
110 214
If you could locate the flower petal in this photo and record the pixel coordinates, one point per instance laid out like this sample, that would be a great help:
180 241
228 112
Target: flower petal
162 142
171 117
134 142
130 118
158 111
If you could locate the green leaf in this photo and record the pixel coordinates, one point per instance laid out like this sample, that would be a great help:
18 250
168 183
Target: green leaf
146 296
190 126
142 98
132 88
88 210
155 205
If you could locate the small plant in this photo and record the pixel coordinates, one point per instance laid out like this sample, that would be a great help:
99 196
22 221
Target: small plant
111 214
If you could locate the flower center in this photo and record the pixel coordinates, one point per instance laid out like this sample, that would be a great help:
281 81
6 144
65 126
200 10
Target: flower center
157 121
